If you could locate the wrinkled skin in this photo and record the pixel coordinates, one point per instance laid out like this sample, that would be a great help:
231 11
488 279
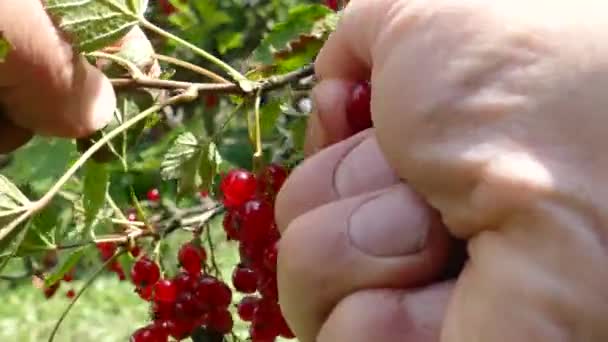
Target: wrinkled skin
494 114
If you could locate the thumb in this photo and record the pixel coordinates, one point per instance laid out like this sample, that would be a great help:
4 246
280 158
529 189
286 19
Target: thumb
46 87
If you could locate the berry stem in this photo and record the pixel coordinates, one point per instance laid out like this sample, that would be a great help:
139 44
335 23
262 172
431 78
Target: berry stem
258 155
86 285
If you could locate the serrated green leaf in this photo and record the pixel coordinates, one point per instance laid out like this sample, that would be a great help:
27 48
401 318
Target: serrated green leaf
11 197
138 6
96 182
303 19
94 24
297 129
183 150
5 48
67 265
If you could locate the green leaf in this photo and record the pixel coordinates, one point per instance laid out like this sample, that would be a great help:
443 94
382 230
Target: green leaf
11 197
94 24
96 180
51 157
138 6
209 165
297 129
65 267
269 113
302 20
183 150
5 48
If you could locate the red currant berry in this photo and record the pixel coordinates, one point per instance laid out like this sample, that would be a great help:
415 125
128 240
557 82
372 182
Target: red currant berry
358 110
268 287
106 249
153 195
270 257
211 101
257 218
145 272
231 225
70 294
185 282
238 186
213 293
191 258
50 291
69 276
220 321
187 306
244 279
246 308
135 251
272 180
163 311
333 4
150 333
145 292
165 291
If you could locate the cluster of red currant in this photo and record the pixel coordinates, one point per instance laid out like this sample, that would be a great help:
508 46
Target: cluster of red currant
250 221
50 291
193 299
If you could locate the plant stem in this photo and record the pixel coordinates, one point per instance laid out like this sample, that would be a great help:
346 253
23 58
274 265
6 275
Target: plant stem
236 76
46 199
82 290
258 154
192 67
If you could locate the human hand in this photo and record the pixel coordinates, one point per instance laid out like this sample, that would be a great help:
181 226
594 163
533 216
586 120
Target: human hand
493 111
45 87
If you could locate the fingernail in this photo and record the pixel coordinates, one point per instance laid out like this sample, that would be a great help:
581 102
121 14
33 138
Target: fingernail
315 133
394 223
103 106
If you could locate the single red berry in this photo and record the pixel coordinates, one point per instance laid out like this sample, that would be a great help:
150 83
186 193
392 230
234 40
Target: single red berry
135 251
257 219
70 294
163 311
203 193
244 279
150 333
50 291
106 249
246 307
212 293
220 321
333 4
271 180
69 276
231 225
181 328
358 107
187 306
165 291
211 101
166 7
153 195
185 282
145 272
191 258
270 257
238 186
145 292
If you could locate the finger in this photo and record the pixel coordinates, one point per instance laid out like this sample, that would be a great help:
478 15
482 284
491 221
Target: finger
45 85
12 136
349 168
327 123
385 239
347 54
389 315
